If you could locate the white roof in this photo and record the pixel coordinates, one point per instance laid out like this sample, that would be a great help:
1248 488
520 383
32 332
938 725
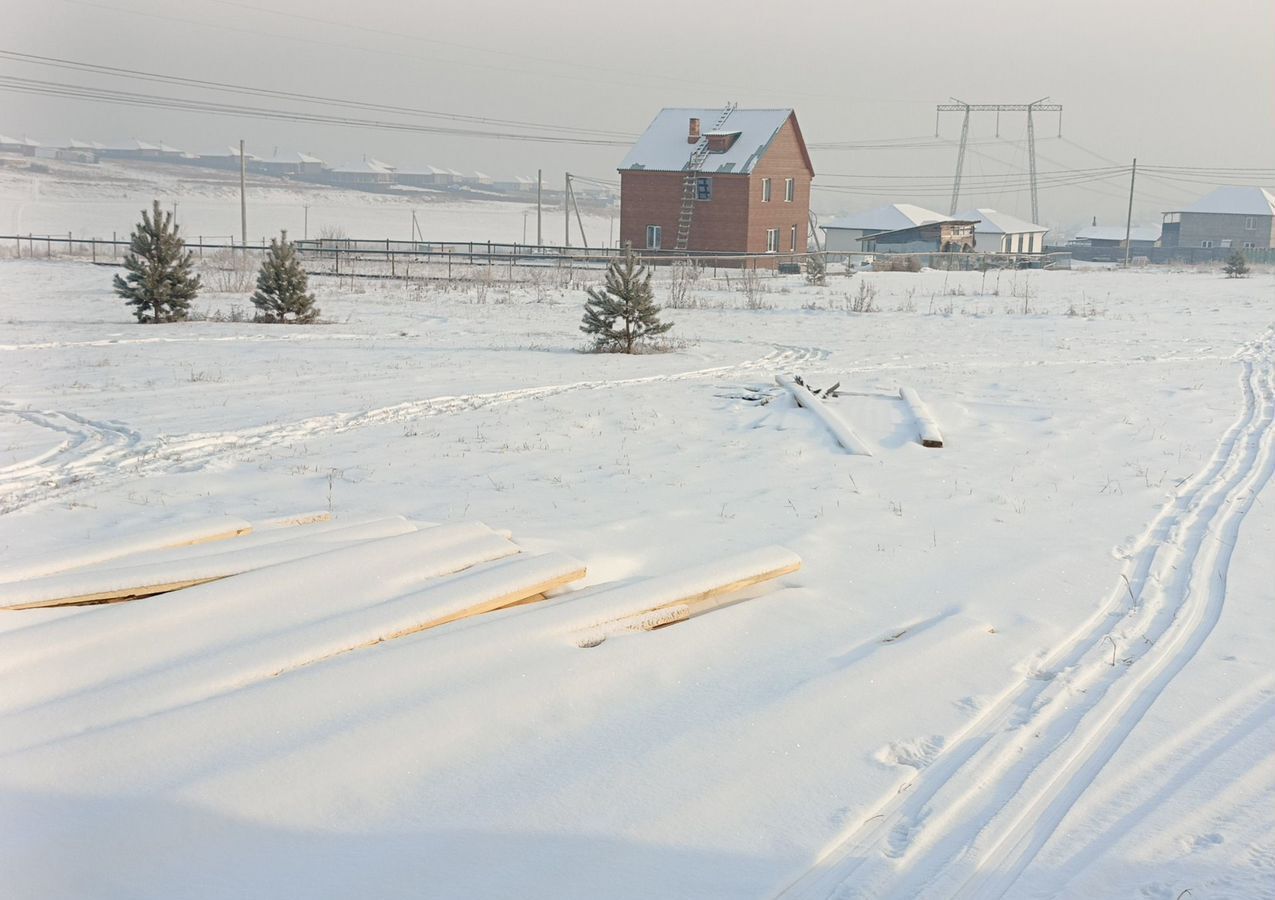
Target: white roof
85 145
5 139
992 222
888 218
165 148
1116 233
294 157
364 166
663 147
478 174
1239 201
142 145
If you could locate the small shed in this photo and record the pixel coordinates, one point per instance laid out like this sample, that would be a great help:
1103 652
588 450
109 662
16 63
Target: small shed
1141 237
947 236
999 232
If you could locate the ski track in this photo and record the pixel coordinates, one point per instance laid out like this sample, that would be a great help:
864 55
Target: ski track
94 452
970 823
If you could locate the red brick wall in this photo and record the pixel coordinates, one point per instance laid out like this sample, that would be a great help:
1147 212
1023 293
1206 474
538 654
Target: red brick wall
736 219
783 160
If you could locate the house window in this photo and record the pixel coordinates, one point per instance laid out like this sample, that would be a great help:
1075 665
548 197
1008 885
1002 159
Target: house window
1250 245
1206 244
772 238
703 189
790 190
1226 244
1250 224
765 190
654 237
792 245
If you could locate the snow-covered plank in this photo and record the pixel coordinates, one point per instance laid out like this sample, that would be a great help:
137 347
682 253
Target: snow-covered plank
201 531
147 579
306 518
834 423
664 599
927 429
98 653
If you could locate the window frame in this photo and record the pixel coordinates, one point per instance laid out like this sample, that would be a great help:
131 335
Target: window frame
790 189
772 240
1250 223
765 190
654 237
1249 245
1206 245
792 238
703 188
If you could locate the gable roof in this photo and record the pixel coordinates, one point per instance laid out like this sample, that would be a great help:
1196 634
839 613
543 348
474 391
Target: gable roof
893 217
946 220
364 167
992 222
1235 200
663 146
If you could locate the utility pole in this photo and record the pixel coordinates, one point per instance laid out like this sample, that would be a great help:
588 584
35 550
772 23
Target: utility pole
305 228
539 189
1030 108
243 199
566 207
1128 222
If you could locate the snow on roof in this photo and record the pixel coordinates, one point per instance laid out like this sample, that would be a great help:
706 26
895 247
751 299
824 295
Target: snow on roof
888 218
663 147
85 145
142 145
1235 200
364 166
1116 233
29 142
992 222
5 139
165 148
478 174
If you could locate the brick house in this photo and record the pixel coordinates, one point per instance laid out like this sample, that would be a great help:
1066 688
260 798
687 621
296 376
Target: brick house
706 181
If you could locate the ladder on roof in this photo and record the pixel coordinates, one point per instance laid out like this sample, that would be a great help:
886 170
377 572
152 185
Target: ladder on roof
690 181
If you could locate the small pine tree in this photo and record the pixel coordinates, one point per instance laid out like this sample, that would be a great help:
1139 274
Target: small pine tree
816 269
623 312
1236 266
281 286
160 282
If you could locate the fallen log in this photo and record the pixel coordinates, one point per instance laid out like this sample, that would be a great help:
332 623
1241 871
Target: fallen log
834 423
927 430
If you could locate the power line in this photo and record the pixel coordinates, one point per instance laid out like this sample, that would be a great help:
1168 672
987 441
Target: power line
135 74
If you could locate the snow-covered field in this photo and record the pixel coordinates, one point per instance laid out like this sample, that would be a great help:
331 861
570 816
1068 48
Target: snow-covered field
1036 662
94 201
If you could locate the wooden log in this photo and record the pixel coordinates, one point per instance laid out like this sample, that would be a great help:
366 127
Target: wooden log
927 430
834 423
146 580
667 599
184 535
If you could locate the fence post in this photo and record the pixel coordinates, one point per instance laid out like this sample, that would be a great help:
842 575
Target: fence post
93 248
392 274
17 239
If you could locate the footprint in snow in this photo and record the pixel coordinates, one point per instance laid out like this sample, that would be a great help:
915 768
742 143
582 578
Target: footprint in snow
916 753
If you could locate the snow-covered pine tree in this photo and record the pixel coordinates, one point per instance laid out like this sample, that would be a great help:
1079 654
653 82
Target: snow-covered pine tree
623 313
160 282
281 286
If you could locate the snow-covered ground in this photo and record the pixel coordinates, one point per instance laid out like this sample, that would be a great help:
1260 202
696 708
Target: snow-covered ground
1036 662
95 201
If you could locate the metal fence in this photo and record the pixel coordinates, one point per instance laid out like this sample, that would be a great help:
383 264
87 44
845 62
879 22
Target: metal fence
505 262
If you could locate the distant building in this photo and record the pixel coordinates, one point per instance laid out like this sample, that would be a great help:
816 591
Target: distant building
516 184
1228 218
947 236
998 232
425 176
24 145
288 164
1111 237
227 158
843 235
737 181
364 173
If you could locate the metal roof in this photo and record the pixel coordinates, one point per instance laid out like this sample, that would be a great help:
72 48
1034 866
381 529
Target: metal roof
992 222
663 146
1235 201
894 217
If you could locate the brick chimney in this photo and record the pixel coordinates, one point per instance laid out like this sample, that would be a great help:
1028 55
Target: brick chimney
692 136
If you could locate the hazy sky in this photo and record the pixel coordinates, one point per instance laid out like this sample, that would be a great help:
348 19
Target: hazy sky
1171 82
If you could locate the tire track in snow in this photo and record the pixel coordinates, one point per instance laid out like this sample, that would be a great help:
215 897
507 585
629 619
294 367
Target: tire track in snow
88 448
98 451
969 824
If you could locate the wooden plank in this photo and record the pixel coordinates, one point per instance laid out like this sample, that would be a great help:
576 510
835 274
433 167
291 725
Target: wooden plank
107 548
118 596
679 603
310 518
148 579
518 597
927 430
840 429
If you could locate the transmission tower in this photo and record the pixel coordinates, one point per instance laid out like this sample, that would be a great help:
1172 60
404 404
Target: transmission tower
1030 108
